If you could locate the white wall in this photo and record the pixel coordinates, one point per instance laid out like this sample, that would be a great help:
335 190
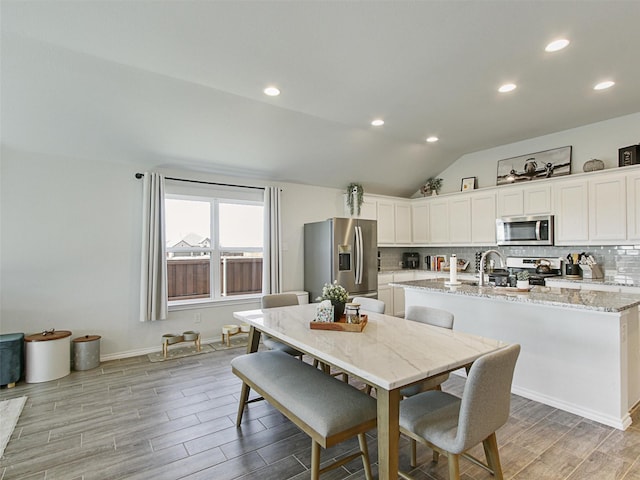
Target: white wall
598 140
70 250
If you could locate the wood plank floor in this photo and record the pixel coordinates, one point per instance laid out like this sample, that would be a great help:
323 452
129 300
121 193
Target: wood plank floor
133 419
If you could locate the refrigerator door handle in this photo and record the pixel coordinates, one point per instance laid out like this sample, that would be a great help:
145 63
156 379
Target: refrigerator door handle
359 258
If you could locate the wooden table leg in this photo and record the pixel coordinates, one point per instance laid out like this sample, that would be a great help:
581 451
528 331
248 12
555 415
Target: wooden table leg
388 433
254 340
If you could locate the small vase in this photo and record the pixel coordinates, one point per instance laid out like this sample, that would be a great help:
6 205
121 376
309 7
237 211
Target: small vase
338 310
522 284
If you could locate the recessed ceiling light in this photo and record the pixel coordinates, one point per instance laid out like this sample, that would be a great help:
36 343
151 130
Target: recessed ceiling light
272 91
507 87
557 45
378 122
432 139
604 85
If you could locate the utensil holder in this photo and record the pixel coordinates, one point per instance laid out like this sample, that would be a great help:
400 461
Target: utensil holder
572 269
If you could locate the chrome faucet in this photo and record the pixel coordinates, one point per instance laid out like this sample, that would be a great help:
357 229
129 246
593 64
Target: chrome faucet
483 261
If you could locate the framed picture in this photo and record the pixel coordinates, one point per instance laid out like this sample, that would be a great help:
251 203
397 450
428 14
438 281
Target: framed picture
468 183
535 166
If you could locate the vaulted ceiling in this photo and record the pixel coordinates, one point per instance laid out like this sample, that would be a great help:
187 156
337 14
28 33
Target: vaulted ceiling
180 83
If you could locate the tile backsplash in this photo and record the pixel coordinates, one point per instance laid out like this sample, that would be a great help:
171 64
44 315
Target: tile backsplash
621 263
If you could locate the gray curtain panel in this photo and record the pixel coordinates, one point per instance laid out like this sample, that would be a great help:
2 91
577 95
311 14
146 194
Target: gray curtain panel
153 279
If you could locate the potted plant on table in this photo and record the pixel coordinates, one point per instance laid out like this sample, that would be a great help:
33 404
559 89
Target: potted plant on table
338 297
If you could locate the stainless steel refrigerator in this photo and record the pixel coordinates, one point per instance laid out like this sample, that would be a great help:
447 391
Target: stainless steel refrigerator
342 249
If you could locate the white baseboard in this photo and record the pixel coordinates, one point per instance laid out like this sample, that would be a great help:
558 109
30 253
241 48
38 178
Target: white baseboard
145 351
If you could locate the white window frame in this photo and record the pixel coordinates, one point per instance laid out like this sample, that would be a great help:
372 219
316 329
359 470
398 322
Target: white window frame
214 195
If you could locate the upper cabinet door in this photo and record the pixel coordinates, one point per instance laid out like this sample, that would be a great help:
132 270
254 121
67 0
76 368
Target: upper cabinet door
403 223
439 221
607 212
483 219
633 207
518 200
386 222
510 201
571 212
460 221
368 210
537 199
420 223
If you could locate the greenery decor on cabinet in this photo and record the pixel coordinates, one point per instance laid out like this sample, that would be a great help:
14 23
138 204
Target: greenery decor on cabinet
432 185
355 197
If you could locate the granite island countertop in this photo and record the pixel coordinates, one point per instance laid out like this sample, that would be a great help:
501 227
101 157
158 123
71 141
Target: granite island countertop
557 297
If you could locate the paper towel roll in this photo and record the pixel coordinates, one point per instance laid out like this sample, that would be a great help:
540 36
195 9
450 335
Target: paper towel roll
453 269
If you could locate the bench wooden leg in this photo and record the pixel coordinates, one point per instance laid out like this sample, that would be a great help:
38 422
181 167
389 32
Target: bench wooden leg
315 460
244 396
362 439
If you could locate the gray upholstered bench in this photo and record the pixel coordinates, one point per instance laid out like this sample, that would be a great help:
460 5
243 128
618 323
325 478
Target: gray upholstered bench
326 409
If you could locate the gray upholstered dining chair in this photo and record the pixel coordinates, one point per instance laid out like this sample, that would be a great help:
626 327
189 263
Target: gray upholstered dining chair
437 318
279 300
451 425
368 304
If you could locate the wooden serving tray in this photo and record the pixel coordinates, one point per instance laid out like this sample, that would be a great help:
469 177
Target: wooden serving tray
341 325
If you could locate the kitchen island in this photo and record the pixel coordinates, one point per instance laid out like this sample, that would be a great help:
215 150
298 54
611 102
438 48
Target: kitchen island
580 349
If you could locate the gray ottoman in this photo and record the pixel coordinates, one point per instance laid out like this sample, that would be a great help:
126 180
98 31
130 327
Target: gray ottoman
11 358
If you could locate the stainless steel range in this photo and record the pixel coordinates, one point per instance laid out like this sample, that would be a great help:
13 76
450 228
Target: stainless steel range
538 268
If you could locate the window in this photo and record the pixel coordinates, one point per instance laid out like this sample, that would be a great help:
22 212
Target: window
214 243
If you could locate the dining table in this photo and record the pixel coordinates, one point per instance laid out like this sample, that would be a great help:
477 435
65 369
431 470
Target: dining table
388 354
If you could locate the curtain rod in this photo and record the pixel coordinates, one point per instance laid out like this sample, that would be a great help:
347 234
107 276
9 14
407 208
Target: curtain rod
140 175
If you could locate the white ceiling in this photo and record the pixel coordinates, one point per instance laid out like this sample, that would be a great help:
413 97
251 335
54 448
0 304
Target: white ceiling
180 83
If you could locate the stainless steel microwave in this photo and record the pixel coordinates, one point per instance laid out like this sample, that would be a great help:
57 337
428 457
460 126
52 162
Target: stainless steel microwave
533 230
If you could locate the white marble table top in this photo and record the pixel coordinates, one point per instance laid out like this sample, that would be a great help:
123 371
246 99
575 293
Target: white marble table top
390 353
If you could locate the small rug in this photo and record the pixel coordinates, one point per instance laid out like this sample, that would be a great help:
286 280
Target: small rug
10 411
180 352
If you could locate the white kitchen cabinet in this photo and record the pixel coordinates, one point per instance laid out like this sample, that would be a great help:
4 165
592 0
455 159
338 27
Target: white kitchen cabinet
394 222
519 200
385 291
537 199
398 292
368 209
420 222
607 212
633 206
386 222
439 221
571 211
403 223
511 201
460 220
483 218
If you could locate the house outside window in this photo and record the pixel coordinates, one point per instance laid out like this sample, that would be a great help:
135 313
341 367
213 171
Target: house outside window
214 243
